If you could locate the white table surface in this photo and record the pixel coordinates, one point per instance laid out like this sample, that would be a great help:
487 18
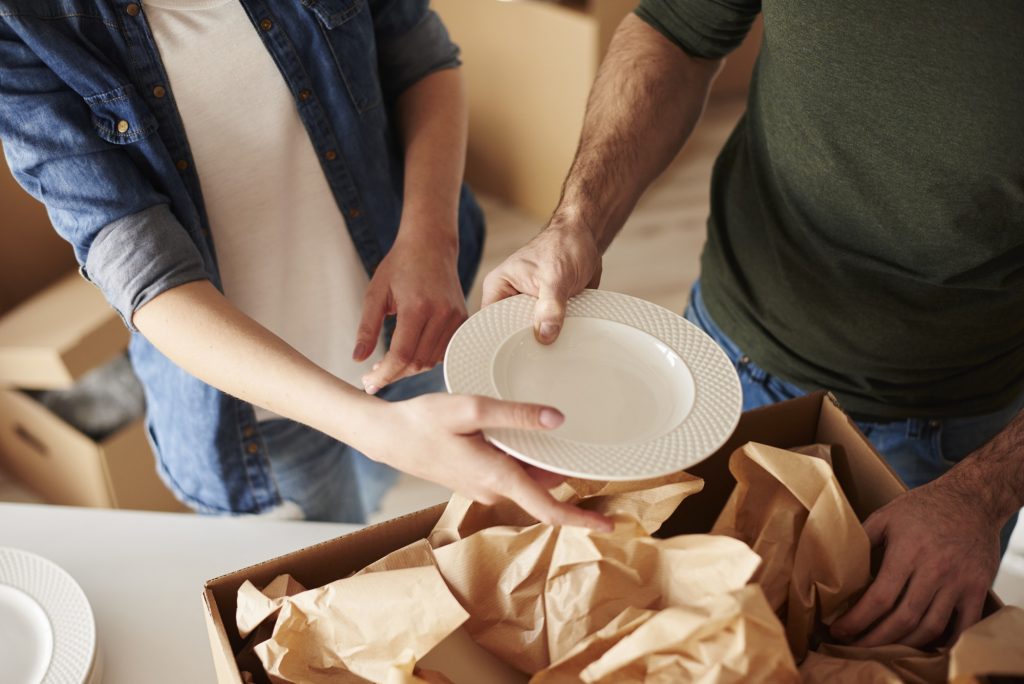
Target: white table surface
144 574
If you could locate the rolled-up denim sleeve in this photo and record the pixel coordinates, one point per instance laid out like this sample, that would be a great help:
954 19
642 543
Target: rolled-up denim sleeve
412 42
710 29
124 235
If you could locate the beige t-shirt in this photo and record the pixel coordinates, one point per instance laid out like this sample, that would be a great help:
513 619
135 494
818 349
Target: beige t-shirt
285 256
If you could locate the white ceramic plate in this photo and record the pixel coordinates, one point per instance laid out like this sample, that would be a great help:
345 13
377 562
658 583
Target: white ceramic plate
47 630
644 391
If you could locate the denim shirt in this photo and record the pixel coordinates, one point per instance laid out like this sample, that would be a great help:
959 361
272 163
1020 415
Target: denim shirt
90 129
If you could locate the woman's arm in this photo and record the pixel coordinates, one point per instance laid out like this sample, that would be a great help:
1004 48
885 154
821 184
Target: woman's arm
436 437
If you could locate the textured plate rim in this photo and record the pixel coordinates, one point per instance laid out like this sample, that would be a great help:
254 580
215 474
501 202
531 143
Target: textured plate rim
514 313
69 663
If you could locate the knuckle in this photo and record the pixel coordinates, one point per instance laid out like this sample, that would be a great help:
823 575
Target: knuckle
473 410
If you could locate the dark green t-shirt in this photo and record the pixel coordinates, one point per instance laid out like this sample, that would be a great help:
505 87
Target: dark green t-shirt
867 214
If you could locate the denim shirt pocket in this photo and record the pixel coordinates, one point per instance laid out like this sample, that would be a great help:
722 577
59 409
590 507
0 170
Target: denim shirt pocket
348 28
120 116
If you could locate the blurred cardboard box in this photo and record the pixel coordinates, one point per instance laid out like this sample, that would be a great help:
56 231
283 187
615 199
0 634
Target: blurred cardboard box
49 341
866 479
528 67
32 255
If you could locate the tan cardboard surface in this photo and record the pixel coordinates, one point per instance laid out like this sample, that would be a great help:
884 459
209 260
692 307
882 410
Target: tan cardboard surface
32 255
56 336
67 467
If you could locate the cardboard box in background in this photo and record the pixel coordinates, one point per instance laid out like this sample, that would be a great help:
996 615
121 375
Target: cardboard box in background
49 341
866 478
69 468
32 255
528 67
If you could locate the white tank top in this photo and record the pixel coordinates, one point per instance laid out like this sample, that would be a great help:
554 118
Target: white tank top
285 256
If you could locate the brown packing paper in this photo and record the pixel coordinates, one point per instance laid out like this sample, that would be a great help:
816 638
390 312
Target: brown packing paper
255 606
347 631
567 670
790 509
536 592
725 638
649 502
994 646
838 664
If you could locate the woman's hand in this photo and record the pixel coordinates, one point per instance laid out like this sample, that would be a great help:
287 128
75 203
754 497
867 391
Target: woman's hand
437 437
417 281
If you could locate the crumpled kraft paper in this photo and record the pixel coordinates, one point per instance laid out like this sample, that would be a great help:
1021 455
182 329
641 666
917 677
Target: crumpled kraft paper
347 631
732 637
536 592
255 606
839 664
649 502
994 646
791 510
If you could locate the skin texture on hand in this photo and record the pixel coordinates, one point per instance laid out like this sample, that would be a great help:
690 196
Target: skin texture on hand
557 264
421 286
437 437
941 544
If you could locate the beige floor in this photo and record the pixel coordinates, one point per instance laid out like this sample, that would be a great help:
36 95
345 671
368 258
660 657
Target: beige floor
655 258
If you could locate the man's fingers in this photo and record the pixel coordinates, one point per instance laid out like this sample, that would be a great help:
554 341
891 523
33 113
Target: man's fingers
538 502
969 611
375 305
878 600
497 287
874 526
477 413
549 312
934 623
908 614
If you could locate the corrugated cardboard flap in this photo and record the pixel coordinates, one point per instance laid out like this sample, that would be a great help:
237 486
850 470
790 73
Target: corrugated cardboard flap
58 335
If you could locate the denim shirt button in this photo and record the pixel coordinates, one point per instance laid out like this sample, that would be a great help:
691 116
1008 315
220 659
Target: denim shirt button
159 91
122 126
181 164
248 431
330 155
304 94
354 213
132 10
266 24
252 447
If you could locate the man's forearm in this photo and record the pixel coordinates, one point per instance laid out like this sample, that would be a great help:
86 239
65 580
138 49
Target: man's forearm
993 476
645 102
433 121
202 332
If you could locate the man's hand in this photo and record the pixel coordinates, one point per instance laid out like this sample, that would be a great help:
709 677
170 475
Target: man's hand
941 556
437 437
558 263
419 283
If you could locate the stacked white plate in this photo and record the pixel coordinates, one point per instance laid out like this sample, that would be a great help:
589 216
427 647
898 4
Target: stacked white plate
644 391
47 629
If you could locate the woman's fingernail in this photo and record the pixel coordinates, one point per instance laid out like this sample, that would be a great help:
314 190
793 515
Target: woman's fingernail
548 332
372 389
359 352
550 418
376 365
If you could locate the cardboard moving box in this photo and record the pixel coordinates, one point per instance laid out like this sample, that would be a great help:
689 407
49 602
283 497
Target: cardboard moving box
867 480
50 341
528 68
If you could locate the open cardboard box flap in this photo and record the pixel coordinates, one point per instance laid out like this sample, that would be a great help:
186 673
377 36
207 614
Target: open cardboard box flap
56 336
866 478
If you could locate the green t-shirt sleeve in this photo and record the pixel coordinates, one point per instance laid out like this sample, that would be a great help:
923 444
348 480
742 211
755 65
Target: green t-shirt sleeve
703 28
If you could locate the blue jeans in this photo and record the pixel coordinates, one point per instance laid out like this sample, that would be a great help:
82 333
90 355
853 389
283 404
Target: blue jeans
918 449
329 480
